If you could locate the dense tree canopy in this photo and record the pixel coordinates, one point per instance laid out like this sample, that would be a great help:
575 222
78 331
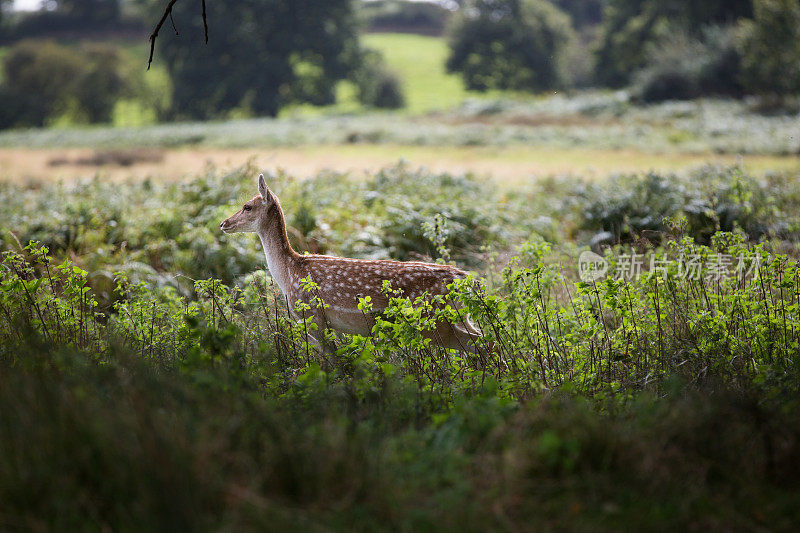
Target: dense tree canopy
583 12
509 44
771 49
261 54
44 80
94 11
631 27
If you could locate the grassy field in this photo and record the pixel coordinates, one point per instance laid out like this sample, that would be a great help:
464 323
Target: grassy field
589 134
419 62
511 166
445 128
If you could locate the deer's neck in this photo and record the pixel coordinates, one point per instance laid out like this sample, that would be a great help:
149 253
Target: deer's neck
281 258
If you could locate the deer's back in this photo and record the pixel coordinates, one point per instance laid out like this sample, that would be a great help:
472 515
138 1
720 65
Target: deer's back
342 281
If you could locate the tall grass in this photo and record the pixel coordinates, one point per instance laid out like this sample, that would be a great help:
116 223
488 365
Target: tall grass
202 430
133 397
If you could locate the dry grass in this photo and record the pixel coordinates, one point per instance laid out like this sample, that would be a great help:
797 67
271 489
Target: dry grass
509 165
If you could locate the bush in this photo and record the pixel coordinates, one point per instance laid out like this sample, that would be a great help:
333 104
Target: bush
377 86
632 28
39 76
771 50
427 18
510 44
682 68
628 208
45 80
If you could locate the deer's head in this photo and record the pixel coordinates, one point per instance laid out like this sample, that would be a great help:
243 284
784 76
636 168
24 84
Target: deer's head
248 218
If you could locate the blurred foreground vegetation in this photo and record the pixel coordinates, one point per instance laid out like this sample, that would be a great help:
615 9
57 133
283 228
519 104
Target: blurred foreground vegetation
151 377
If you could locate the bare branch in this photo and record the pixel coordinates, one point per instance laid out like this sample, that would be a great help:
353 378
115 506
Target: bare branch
172 20
205 23
154 35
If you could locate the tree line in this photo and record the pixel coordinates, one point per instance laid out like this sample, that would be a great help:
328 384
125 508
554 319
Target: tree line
263 55
663 49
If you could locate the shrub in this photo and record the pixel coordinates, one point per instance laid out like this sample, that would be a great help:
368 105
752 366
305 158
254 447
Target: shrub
771 50
39 75
510 44
427 18
44 80
377 86
632 28
712 199
682 68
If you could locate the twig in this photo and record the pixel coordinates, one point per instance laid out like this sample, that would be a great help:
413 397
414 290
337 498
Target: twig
154 35
205 22
172 21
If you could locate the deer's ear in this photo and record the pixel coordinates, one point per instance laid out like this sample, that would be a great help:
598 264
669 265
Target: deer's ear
262 187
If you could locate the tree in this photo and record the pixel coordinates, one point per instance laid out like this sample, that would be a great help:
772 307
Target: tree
44 80
4 5
583 12
633 27
684 68
37 75
771 50
261 55
103 12
509 44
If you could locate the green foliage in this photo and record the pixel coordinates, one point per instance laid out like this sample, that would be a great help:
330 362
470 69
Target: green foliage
588 404
426 18
35 75
583 12
419 62
44 81
192 449
632 28
771 50
263 55
377 86
541 330
512 44
630 208
681 68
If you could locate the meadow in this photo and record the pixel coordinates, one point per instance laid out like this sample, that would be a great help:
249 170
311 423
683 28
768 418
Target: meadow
589 134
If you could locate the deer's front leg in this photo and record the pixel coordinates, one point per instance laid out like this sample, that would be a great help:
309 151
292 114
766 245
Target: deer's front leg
314 323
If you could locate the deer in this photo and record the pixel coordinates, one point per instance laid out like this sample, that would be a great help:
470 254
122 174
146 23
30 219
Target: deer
341 282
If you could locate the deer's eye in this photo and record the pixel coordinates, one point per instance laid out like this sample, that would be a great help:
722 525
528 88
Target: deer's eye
247 208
